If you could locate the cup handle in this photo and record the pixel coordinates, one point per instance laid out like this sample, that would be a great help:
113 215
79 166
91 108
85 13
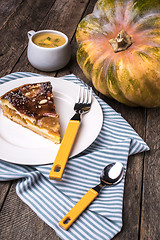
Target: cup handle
30 33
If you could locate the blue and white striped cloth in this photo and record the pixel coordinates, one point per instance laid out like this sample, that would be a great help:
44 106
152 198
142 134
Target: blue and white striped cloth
51 200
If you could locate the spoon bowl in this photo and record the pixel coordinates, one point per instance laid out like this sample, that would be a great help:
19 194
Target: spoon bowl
111 175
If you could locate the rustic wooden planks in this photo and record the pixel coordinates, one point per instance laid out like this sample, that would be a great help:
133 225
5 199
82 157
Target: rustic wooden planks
14 32
7 9
4 189
12 216
141 196
133 183
63 16
150 227
20 222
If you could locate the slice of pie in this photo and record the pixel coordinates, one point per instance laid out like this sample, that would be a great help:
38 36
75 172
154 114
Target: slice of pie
32 106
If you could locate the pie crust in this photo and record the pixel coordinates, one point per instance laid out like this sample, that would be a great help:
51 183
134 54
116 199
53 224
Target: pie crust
32 106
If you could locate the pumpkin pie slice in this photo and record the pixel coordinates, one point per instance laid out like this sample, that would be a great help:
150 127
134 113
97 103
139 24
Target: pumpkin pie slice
32 106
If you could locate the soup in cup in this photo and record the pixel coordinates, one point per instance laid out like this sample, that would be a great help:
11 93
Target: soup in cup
48 50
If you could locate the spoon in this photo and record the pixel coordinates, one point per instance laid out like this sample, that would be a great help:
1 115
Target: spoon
111 175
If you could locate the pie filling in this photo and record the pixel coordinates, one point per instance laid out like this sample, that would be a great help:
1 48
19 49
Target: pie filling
32 106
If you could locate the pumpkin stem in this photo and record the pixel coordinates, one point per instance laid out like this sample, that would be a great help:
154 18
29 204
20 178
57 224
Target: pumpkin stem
121 42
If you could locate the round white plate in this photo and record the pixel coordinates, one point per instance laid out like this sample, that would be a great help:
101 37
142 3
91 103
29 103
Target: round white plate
22 146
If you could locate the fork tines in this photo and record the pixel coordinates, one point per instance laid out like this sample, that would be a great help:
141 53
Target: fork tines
85 95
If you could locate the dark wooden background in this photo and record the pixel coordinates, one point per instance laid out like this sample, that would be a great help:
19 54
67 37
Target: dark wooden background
142 196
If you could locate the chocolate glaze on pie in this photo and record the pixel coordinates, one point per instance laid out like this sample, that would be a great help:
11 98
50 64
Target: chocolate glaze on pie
33 100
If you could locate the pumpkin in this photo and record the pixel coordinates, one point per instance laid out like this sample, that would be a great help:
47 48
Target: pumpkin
119 50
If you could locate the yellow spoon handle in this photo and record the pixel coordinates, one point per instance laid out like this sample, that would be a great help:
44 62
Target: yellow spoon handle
64 150
74 213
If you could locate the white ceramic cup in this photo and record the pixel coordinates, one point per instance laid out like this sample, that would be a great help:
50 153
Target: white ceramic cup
48 59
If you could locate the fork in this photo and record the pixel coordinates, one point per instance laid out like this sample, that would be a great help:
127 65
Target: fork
81 106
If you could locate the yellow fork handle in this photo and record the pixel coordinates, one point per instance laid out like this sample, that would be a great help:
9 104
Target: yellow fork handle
74 213
64 150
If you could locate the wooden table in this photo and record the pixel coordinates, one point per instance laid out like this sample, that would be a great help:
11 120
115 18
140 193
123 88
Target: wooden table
141 210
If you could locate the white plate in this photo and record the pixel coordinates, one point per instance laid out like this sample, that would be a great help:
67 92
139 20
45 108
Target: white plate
22 146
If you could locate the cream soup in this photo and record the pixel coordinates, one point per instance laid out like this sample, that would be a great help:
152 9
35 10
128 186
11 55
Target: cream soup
49 40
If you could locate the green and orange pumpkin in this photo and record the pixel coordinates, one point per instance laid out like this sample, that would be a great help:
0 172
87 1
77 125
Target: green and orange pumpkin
119 50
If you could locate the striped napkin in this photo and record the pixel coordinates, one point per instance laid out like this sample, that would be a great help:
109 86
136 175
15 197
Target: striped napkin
51 200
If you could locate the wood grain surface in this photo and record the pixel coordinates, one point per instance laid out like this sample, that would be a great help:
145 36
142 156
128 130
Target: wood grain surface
141 207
